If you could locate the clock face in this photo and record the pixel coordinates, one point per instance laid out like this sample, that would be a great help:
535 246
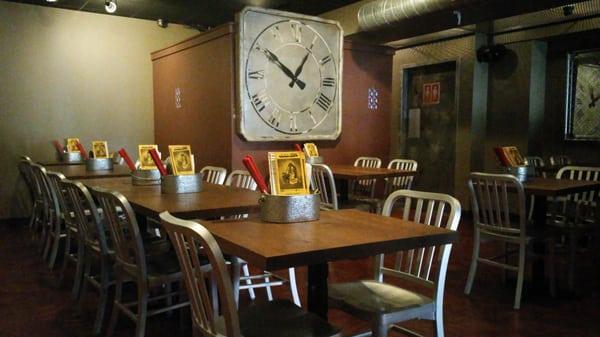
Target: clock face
586 114
290 74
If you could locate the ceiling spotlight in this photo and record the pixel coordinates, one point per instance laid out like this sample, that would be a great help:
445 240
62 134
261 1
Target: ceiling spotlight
110 6
51 0
163 23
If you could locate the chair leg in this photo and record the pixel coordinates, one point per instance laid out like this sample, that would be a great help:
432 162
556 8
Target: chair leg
268 289
246 273
473 267
379 328
87 270
236 267
550 266
114 317
140 326
520 276
78 277
572 252
439 322
102 301
294 287
169 299
65 260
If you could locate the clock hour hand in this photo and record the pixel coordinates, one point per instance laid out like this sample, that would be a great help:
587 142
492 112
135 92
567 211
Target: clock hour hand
593 98
299 71
273 58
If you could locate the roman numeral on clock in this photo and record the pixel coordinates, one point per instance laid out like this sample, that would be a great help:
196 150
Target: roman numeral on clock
324 102
293 124
261 100
257 74
328 82
325 60
275 117
296 32
312 117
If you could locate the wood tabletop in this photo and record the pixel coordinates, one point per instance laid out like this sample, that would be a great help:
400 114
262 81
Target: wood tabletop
337 235
212 201
554 187
355 172
80 172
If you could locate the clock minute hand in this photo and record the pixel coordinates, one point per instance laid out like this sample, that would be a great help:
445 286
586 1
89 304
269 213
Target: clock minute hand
273 58
299 71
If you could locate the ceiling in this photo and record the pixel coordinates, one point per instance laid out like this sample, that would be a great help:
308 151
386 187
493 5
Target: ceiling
201 14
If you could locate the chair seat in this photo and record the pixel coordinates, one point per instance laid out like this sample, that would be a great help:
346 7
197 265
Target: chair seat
374 297
162 268
280 318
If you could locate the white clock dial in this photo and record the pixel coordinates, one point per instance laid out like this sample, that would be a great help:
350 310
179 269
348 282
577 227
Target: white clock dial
289 76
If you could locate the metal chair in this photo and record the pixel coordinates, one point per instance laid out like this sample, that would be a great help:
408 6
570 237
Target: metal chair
214 175
45 202
134 264
400 183
323 182
276 318
365 186
385 304
578 214
535 161
557 160
243 179
492 207
94 246
37 209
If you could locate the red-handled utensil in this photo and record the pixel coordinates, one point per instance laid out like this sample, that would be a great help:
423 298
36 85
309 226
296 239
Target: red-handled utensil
127 159
82 151
157 162
248 161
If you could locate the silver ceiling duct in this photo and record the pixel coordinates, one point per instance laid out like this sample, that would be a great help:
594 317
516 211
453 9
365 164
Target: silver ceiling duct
381 13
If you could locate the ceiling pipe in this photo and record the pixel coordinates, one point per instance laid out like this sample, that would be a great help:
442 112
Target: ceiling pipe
382 13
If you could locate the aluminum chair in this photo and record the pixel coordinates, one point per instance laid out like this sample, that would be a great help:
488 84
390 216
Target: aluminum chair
492 207
366 186
243 179
385 304
400 183
268 319
559 160
37 209
322 181
214 175
578 214
96 263
150 272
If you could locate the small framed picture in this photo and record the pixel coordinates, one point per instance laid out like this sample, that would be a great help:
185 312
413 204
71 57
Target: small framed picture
146 162
181 159
288 174
311 150
72 144
100 149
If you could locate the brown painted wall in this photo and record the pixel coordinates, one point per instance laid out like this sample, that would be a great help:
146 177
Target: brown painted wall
201 68
364 132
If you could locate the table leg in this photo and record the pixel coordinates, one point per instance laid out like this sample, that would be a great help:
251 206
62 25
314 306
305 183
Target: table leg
317 289
342 189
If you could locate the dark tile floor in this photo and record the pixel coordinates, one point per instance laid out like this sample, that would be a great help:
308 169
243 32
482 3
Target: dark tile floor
31 305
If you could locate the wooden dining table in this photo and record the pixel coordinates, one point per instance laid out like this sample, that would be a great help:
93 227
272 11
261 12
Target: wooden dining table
346 173
213 201
541 189
59 163
80 172
337 235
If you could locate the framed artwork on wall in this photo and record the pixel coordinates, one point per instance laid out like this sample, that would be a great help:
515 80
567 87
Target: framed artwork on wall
583 96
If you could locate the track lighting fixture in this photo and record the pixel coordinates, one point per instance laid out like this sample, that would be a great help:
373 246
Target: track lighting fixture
110 6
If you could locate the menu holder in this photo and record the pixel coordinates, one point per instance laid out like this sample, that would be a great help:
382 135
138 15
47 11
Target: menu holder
145 177
289 208
315 160
522 173
188 183
98 164
71 157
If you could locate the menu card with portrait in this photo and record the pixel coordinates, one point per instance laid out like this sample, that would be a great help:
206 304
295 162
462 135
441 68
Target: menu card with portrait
146 162
100 149
182 161
288 176
72 144
509 156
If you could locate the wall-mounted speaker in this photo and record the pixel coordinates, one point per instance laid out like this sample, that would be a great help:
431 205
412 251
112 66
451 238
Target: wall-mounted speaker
491 53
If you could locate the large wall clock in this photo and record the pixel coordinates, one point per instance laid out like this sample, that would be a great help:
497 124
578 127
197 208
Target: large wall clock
289 76
583 96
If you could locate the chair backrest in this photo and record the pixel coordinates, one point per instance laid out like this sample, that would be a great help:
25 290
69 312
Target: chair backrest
580 173
431 209
80 201
401 183
214 175
242 179
535 161
492 204
322 181
187 238
54 179
366 186
560 160
125 235
46 193
24 167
